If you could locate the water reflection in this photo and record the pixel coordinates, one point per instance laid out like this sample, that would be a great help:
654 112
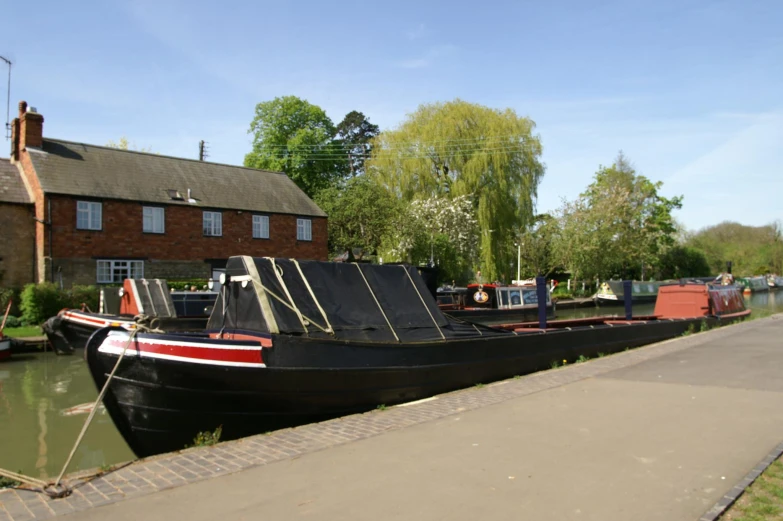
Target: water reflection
38 425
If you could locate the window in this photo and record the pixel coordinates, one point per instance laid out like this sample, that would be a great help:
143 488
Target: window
88 215
113 271
515 296
154 218
504 297
213 224
304 230
260 226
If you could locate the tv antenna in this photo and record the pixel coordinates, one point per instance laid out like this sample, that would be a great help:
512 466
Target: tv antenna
8 101
203 151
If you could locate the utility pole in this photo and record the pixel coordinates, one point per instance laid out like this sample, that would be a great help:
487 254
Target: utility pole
202 150
8 101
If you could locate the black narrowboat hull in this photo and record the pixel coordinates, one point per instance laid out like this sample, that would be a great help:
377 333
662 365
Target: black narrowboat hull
495 316
620 301
159 402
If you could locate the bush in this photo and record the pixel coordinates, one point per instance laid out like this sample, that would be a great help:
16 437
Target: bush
11 322
185 284
41 301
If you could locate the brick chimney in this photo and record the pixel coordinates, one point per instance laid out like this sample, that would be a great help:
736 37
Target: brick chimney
27 130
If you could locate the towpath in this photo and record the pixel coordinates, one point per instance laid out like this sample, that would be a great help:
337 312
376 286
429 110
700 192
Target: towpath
668 432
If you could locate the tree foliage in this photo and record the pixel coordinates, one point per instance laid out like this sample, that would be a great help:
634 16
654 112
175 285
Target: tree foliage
457 148
296 137
537 246
618 227
439 230
753 250
124 144
355 134
361 214
681 262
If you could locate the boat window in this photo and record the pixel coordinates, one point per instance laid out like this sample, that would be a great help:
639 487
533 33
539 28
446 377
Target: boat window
516 298
530 296
504 297
445 299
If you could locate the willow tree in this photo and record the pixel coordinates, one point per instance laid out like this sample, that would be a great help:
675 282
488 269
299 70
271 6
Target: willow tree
458 148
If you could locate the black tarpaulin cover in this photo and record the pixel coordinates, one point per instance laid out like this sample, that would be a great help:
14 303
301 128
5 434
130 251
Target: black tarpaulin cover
379 303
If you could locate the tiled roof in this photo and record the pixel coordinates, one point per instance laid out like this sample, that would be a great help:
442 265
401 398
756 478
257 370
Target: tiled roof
64 167
12 188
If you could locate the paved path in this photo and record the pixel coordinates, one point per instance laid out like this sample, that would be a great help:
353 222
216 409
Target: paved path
661 432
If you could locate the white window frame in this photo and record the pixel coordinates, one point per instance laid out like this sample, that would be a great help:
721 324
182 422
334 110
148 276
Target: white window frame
260 226
212 224
153 219
89 215
304 229
114 271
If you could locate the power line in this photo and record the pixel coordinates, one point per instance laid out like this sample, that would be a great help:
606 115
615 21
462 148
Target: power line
511 139
386 152
8 101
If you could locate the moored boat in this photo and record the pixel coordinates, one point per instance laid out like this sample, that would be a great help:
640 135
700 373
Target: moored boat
144 301
611 293
493 303
753 284
775 282
294 342
5 342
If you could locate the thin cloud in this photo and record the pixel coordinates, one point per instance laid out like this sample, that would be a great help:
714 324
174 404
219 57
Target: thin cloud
430 57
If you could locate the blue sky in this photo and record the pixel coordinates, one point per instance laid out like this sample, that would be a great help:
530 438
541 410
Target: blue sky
691 91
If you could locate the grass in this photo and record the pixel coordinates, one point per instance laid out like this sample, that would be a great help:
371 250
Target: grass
763 500
381 407
479 385
21 332
582 359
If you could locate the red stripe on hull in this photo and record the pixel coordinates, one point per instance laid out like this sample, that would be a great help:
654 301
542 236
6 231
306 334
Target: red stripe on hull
264 341
221 354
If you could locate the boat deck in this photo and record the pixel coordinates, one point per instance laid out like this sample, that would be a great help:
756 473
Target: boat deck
653 433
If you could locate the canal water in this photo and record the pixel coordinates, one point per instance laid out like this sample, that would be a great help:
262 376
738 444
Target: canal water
44 402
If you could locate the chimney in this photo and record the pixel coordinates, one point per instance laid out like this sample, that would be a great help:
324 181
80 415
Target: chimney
30 127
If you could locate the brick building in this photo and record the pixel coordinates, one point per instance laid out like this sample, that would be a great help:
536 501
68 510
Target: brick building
103 214
17 228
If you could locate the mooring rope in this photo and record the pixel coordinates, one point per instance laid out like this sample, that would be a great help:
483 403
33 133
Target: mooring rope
56 489
377 303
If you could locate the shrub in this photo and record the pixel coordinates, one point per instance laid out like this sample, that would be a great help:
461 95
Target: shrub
88 295
11 322
41 301
185 284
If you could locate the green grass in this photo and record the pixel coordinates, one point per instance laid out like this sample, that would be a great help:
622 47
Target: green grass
8 482
763 500
382 407
582 359
479 385
21 332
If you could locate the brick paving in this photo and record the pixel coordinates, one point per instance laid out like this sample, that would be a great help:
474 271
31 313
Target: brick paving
188 466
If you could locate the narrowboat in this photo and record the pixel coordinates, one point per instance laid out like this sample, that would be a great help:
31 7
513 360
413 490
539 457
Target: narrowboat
610 293
753 284
493 303
291 342
5 342
775 282
145 300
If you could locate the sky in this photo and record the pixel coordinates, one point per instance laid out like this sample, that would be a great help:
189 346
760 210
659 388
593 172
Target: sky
691 91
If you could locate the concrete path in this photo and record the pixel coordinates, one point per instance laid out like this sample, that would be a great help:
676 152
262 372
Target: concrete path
663 439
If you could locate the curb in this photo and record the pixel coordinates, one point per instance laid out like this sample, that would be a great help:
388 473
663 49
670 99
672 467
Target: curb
734 494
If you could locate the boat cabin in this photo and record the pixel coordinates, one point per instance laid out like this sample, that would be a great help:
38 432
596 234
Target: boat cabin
497 296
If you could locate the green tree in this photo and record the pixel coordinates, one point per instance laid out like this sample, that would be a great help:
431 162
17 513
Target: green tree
355 133
753 250
361 213
124 144
682 262
620 226
537 246
459 148
296 137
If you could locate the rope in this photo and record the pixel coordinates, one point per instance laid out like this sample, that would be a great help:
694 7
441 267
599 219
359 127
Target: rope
279 272
312 294
286 304
378 303
424 303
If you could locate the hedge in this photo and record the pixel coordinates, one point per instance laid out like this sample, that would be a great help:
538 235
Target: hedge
11 294
41 301
185 284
